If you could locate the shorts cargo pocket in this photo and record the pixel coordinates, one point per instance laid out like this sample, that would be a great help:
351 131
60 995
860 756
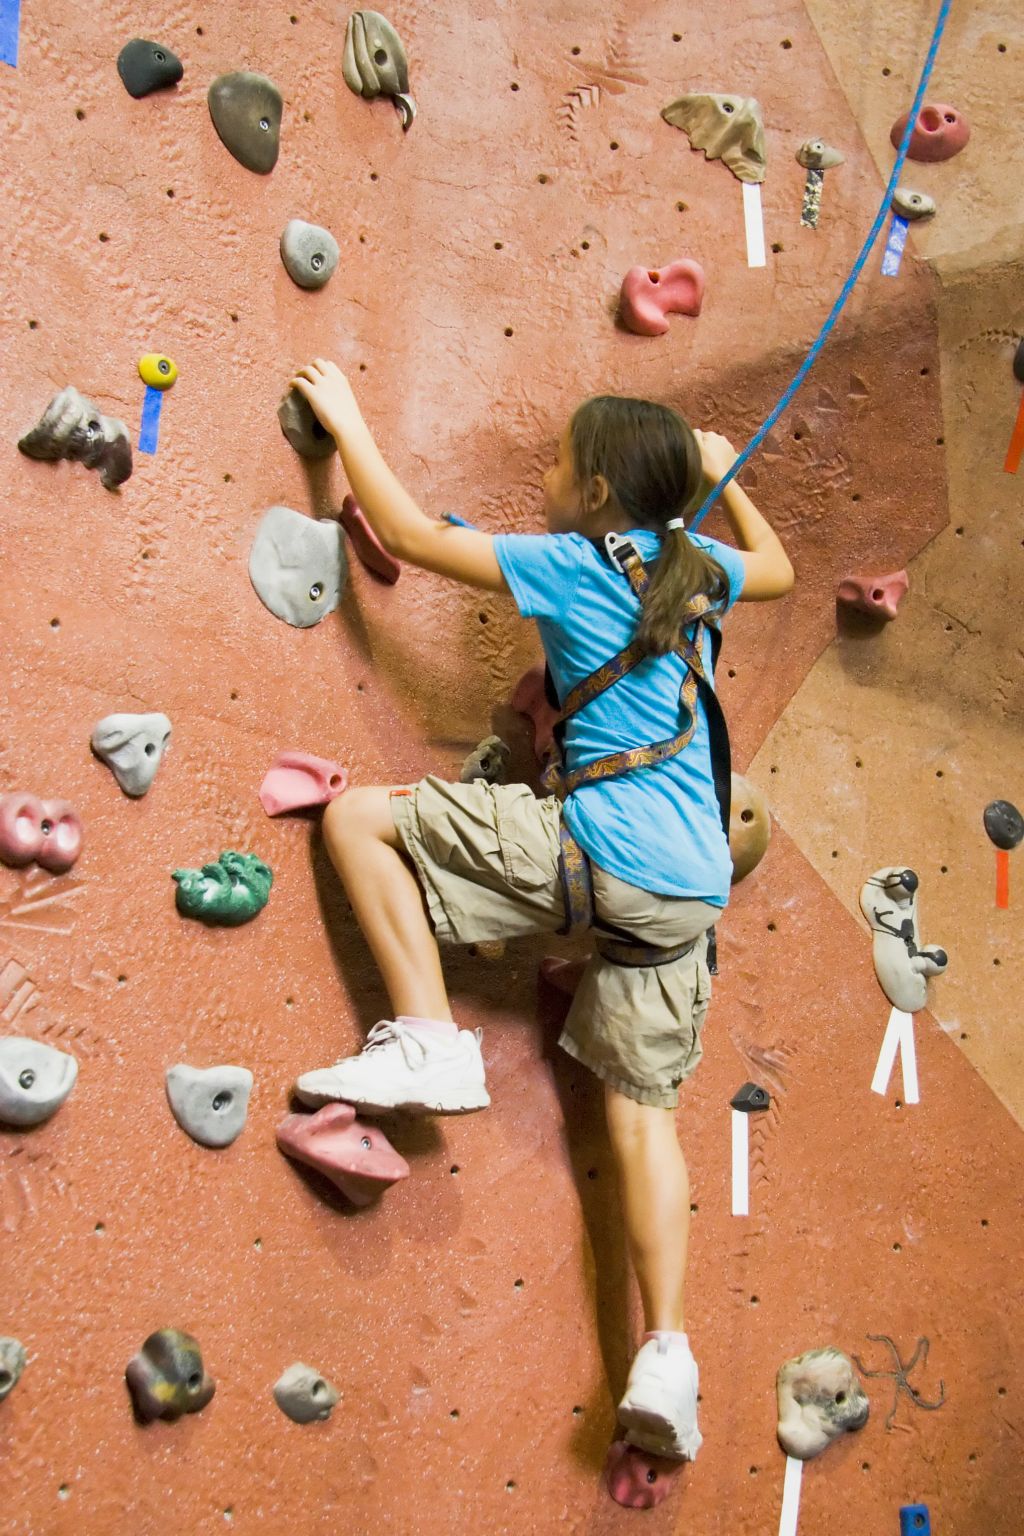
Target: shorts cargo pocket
527 838
701 995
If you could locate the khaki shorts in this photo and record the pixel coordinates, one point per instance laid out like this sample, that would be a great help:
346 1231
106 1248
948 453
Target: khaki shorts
487 857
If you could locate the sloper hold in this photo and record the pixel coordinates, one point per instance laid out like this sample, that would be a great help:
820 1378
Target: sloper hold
816 155
356 1157
297 780
132 746
648 296
246 109
304 1395
210 1103
725 127
48 832
297 565
374 63
939 133
1004 824
72 428
637 1479
35 1079
227 893
366 544
13 1360
878 596
303 428
750 827
167 1377
912 205
751 1098
310 254
820 1398
146 66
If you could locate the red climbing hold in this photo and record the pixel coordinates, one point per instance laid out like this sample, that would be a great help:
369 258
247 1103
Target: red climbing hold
635 1478
648 297
296 780
939 133
530 699
366 543
358 1158
877 595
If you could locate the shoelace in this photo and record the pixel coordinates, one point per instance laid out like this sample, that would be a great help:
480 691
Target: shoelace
383 1034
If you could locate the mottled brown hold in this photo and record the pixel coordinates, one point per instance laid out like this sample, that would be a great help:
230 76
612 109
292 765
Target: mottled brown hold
374 62
820 1398
750 827
166 1378
246 108
727 128
816 155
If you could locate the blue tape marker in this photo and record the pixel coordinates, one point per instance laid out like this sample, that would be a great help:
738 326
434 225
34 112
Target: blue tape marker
895 246
10 15
460 522
915 1520
149 426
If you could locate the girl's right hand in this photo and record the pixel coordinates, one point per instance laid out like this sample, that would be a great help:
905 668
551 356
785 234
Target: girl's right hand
330 394
717 455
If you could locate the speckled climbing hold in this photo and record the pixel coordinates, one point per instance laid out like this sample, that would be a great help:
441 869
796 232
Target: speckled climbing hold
356 1157
750 827
751 1099
246 110
488 761
132 746
303 428
374 63
72 428
636 1479
35 1079
158 371
297 565
13 1360
167 1377
227 893
297 780
940 132
48 832
366 544
145 66
304 1395
912 205
1004 824
725 127
877 596
820 1398
816 155
889 902
210 1103
530 698
648 296
309 253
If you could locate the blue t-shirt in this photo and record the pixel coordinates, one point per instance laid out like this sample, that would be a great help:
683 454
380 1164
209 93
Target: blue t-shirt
659 828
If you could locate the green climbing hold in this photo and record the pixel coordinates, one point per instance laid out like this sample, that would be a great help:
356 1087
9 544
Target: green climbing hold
228 893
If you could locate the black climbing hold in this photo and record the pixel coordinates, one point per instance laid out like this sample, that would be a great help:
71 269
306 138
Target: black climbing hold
1004 823
1018 362
246 109
712 952
750 1098
145 66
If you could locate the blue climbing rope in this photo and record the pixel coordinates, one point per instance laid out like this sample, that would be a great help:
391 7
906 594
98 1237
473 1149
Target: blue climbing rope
847 288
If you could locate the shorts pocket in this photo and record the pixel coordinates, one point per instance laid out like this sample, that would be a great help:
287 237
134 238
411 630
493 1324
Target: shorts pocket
701 995
528 840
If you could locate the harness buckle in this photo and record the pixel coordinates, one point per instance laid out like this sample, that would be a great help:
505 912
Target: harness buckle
620 550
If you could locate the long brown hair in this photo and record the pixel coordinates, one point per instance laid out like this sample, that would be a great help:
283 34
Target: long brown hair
651 461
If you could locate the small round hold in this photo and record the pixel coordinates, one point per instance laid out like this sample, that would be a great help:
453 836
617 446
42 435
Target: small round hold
912 205
1004 824
158 371
310 254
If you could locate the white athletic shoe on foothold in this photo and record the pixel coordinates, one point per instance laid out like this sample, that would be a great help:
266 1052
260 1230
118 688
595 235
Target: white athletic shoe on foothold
402 1068
659 1410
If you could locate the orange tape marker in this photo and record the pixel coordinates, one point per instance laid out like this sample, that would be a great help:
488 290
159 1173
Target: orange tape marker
1016 447
1002 879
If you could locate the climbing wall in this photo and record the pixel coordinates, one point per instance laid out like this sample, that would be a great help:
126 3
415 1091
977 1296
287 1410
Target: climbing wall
477 1322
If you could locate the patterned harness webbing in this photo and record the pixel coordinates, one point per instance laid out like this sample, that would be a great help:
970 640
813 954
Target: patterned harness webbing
574 866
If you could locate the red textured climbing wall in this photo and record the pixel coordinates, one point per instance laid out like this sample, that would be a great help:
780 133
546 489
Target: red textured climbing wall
475 1321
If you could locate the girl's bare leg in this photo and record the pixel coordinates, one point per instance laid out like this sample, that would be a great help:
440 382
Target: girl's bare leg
654 1188
387 900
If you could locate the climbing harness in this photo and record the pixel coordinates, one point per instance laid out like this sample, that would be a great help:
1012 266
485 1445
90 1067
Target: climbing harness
574 865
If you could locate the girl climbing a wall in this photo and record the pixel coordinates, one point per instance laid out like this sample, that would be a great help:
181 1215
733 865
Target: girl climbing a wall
635 845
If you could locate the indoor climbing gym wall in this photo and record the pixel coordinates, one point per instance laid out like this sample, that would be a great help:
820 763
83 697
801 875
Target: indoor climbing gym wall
209 1319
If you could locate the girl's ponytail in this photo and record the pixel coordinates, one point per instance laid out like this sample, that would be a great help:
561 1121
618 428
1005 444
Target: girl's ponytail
682 572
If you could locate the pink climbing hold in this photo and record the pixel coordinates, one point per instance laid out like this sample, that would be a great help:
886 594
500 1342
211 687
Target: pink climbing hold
529 699
878 596
46 831
366 543
649 297
297 780
358 1158
939 133
563 975
635 1478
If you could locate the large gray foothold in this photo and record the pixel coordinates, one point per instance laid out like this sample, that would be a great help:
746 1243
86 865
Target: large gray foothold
246 109
309 253
304 1395
72 428
374 62
35 1080
298 565
210 1103
132 746
12 1362
303 428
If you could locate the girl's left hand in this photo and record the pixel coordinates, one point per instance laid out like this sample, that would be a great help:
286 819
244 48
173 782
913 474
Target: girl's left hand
330 394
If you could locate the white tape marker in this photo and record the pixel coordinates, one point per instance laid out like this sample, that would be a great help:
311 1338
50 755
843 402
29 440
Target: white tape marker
887 1055
791 1497
908 1055
740 1163
753 218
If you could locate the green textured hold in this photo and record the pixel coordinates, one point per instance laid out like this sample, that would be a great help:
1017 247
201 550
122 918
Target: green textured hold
229 892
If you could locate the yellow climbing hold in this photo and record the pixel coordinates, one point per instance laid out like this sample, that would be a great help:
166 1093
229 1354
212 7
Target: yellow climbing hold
158 371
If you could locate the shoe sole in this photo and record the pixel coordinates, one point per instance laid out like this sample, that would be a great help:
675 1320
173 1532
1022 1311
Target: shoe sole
463 1103
652 1431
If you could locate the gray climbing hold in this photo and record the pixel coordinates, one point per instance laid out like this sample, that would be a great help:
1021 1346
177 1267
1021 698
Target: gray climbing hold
309 253
13 1360
303 428
72 428
246 109
304 1395
488 761
374 62
35 1079
145 66
912 205
298 565
210 1103
816 155
132 746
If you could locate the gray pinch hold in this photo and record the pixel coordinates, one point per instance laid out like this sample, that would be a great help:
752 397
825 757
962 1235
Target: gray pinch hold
304 1395
132 746
13 1360
298 565
35 1079
303 428
72 428
210 1103
374 63
309 253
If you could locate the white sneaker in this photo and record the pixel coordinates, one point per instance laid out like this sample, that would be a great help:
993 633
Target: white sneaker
401 1068
659 1410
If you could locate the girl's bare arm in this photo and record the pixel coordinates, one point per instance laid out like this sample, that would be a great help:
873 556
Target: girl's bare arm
768 572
